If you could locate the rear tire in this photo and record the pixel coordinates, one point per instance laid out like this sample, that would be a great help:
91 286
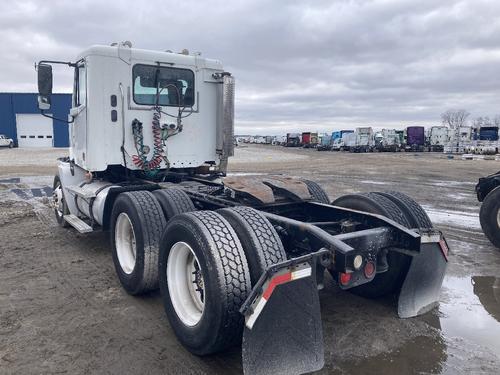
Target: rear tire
11 145
225 275
489 216
318 194
173 202
414 212
260 241
137 223
391 280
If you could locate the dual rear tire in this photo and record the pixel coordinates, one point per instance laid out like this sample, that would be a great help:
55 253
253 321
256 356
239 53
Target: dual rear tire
204 262
232 248
138 220
401 209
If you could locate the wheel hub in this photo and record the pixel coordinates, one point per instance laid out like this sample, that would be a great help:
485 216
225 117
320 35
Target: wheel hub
57 200
186 285
125 243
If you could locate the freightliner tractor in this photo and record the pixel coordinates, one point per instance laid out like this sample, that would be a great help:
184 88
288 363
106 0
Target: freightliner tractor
238 260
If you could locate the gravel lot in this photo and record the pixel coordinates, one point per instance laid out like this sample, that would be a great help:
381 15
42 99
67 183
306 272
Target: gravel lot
62 309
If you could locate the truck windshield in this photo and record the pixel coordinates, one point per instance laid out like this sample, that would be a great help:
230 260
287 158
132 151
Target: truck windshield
163 85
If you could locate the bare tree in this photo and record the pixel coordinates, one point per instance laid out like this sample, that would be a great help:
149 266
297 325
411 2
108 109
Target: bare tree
496 121
478 122
455 118
486 121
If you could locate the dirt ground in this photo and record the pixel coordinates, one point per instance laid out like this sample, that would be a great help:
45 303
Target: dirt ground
62 309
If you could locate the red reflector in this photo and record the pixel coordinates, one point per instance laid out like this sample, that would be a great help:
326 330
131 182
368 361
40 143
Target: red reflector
345 278
444 248
369 269
275 281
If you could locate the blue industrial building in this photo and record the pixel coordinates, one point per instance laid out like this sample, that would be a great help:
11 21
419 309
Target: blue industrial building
21 120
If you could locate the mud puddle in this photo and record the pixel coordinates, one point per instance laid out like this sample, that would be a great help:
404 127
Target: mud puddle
470 310
463 335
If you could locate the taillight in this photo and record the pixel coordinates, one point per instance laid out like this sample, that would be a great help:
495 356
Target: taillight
344 278
369 269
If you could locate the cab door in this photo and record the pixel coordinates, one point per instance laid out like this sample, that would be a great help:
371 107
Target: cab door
79 114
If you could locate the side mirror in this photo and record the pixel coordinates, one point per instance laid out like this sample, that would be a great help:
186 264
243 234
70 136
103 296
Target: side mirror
44 86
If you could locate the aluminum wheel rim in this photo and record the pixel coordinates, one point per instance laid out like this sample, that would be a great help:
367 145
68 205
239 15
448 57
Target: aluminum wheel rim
125 243
58 200
186 286
498 217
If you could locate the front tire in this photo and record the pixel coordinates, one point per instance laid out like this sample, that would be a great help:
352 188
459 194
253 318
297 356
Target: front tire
225 280
60 205
137 223
489 216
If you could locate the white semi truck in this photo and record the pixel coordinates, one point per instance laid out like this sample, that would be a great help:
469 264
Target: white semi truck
238 260
364 140
438 138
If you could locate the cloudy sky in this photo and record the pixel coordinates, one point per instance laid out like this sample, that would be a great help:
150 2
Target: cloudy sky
300 65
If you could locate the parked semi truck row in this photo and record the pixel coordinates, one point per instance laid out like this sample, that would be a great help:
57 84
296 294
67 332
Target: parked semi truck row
465 139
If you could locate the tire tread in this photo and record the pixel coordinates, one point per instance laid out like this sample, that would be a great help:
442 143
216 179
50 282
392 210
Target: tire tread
235 272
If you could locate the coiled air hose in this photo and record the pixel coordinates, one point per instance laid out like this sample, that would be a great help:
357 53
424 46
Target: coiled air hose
151 166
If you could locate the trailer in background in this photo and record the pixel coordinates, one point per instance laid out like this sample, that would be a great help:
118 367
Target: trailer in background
438 138
486 133
279 140
387 140
485 141
309 140
460 140
401 137
325 142
293 140
364 140
336 135
415 138
347 142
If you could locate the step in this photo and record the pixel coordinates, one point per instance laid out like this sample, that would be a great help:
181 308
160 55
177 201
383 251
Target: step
81 192
77 223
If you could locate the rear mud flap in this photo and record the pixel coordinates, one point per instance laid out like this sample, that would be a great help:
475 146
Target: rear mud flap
287 337
420 291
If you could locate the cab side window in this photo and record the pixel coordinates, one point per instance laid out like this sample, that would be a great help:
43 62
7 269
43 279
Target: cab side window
80 86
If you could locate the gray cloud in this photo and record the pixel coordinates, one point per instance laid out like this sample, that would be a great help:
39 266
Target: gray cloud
300 65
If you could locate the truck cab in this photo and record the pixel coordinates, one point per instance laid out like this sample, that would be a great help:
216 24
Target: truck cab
120 93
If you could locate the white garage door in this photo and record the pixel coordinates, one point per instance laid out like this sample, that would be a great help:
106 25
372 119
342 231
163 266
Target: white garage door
34 130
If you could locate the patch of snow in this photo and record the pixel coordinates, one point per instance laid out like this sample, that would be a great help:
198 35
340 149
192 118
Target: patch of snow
460 196
452 183
468 220
373 182
239 174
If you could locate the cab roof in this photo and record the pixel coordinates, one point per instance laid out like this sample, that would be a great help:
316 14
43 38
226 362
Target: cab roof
124 52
